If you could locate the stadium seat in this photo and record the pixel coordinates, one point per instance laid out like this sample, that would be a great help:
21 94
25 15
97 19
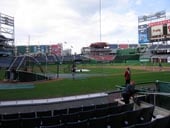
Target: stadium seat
30 122
10 123
60 111
101 112
132 117
125 107
116 120
1 116
72 117
55 126
121 108
75 109
90 107
150 124
99 122
10 116
28 115
113 104
86 115
48 121
78 124
131 126
44 113
146 114
104 105
163 122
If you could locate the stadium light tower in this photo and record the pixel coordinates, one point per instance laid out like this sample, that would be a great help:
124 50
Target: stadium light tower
100 21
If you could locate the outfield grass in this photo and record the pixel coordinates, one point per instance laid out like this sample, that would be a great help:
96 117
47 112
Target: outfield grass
67 87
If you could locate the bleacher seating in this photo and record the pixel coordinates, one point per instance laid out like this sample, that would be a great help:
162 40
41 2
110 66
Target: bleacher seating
30 122
75 109
79 124
102 58
60 112
55 126
27 115
10 123
123 46
152 47
51 59
146 114
44 113
133 45
99 122
5 61
164 121
49 121
110 115
132 117
113 46
150 124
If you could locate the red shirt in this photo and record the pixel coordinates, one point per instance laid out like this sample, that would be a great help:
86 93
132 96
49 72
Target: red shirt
127 75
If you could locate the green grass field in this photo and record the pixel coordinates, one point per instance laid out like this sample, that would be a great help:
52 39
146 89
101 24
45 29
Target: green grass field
111 75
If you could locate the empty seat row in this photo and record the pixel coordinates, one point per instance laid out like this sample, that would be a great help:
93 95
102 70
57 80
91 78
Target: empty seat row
49 113
163 122
63 118
92 107
119 120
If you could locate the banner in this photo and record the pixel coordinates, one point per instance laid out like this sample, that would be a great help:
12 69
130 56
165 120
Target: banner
159 23
157 30
143 34
168 29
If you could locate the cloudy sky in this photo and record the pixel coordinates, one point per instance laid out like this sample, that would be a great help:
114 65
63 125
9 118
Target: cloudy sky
77 22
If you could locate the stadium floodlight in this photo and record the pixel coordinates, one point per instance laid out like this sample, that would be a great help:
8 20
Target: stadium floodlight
155 16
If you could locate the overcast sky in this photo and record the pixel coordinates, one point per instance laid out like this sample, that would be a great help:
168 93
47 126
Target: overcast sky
77 21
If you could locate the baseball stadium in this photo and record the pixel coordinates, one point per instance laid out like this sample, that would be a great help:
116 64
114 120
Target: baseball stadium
39 89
